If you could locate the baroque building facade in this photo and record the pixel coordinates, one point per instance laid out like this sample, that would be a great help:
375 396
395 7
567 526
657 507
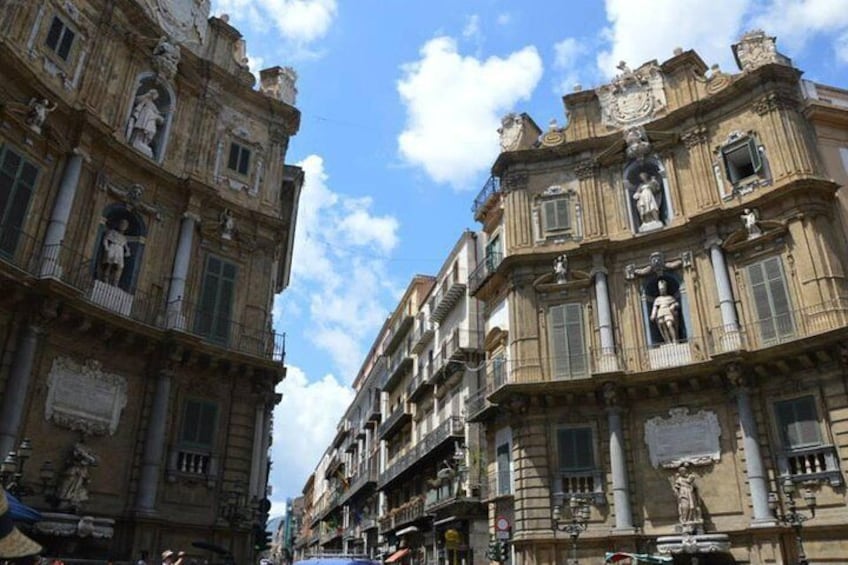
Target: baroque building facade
665 308
147 223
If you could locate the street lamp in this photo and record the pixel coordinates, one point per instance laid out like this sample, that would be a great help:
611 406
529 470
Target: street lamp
576 524
12 470
790 516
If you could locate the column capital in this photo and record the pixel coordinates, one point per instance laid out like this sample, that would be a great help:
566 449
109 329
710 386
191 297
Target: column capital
736 378
193 216
712 241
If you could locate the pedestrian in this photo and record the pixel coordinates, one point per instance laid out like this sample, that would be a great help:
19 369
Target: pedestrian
13 544
168 557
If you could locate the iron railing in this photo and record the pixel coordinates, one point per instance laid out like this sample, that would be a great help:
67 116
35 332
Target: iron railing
484 270
490 188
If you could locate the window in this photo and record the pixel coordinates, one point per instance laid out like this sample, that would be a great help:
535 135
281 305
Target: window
199 421
578 472
17 183
503 461
239 160
798 423
216 300
494 253
60 38
771 300
555 216
499 370
741 159
567 349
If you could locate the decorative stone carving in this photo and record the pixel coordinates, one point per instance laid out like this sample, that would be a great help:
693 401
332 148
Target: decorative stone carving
683 438
657 264
37 111
144 122
611 394
132 196
637 142
751 223
694 137
511 131
697 543
70 525
717 79
561 269
227 224
82 397
554 136
279 84
633 97
73 490
514 181
756 49
166 58
183 20
585 169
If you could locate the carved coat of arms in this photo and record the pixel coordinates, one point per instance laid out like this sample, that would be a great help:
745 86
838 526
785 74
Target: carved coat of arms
633 97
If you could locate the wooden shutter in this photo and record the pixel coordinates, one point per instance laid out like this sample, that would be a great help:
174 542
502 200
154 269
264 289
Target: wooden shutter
558 345
503 463
754 154
556 215
771 300
568 351
798 422
17 183
574 339
216 301
199 421
576 452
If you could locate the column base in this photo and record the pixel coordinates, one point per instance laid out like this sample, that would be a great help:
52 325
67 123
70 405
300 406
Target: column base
764 523
623 531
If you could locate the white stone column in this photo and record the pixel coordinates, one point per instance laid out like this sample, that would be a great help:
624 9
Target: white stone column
154 446
729 338
607 360
618 463
182 258
59 216
256 458
17 385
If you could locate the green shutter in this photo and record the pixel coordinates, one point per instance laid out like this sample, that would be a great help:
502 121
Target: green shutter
574 339
754 153
576 452
199 422
216 300
568 351
798 422
556 215
17 183
558 346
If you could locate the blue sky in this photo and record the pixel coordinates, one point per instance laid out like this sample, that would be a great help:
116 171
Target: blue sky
400 105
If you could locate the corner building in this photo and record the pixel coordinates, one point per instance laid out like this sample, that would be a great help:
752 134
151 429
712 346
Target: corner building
147 224
665 312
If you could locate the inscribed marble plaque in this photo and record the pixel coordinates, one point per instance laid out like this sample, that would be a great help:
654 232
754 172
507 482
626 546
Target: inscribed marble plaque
683 438
84 398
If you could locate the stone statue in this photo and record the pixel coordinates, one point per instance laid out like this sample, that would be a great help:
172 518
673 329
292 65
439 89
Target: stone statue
749 219
115 250
166 58
37 113
647 204
637 143
688 500
144 122
228 224
73 490
665 313
561 268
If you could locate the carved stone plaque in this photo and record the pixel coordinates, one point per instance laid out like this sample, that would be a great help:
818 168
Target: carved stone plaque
82 397
683 438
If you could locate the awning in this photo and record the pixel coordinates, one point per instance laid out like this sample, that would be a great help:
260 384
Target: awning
407 530
397 555
20 511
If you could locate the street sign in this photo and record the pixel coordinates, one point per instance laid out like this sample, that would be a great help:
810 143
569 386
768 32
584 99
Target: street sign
502 527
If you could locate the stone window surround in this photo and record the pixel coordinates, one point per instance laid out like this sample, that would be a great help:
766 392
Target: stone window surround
574 229
586 372
249 182
67 70
181 450
747 184
596 473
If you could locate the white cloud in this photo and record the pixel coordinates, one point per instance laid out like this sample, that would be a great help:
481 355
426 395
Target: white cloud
472 27
339 269
795 22
841 48
453 106
504 18
304 424
299 21
642 30
567 56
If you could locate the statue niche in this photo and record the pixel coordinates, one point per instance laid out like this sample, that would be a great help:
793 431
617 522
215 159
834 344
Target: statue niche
150 117
120 244
664 310
645 185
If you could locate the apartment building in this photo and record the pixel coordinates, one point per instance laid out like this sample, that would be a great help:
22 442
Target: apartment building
665 316
147 223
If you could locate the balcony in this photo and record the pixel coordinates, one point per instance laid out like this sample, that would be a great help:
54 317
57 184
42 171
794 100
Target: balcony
449 293
398 332
478 408
817 463
420 383
481 280
424 332
395 421
581 483
399 364
486 198
452 354
366 475
451 428
404 514
373 414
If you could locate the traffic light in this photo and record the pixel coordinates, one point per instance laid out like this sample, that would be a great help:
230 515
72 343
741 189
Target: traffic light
492 550
261 538
504 553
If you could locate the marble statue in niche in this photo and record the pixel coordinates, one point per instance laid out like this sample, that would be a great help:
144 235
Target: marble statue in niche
115 251
688 499
647 202
665 313
145 120
750 221
561 269
73 490
38 108
228 224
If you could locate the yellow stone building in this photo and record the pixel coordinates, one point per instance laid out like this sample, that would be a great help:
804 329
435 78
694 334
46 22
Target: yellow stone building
666 307
147 223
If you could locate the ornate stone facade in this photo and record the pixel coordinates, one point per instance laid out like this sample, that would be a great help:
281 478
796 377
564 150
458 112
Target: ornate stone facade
140 352
615 390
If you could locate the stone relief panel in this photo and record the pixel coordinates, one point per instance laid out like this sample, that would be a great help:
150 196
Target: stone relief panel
633 97
184 20
84 398
683 438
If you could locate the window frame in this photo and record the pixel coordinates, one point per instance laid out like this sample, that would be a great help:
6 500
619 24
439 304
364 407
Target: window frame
594 472
17 184
559 204
779 335
67 62
215 316
202 404
782 431
503 438
243 155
